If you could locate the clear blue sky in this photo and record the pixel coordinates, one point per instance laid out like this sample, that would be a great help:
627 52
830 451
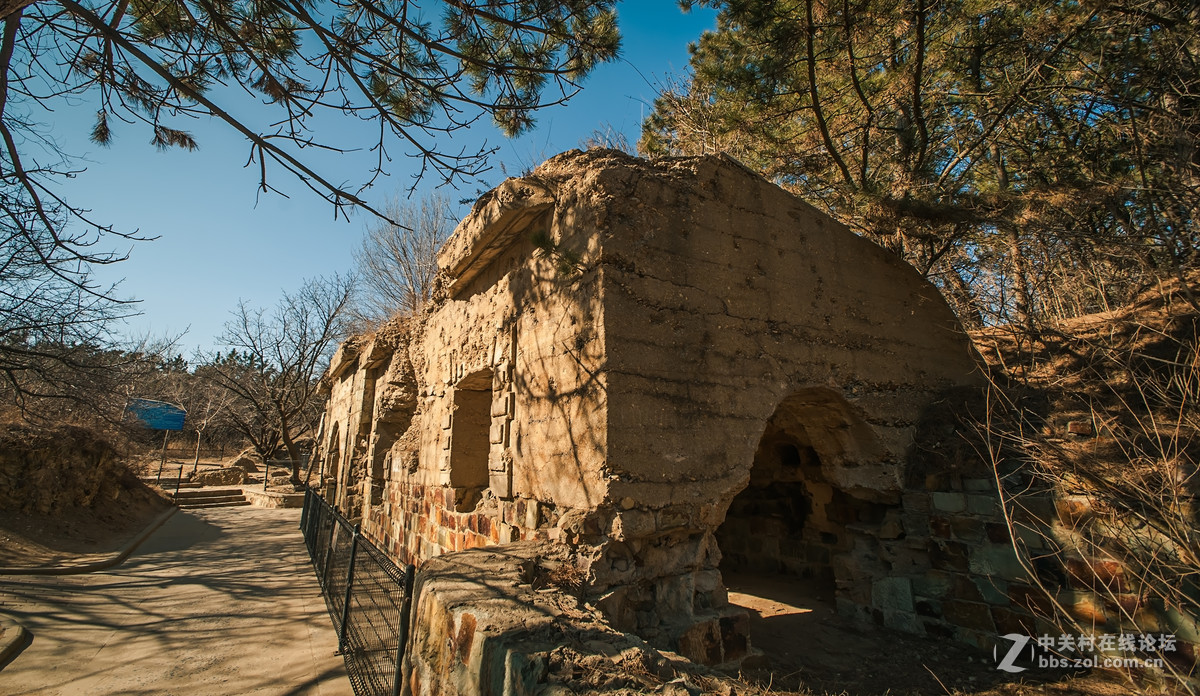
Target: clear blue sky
220 241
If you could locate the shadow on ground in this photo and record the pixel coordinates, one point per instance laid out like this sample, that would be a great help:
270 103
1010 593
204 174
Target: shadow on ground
216 601
809 645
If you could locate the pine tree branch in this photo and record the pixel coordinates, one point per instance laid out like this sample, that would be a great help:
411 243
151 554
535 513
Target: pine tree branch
1013 100
323 187
818 114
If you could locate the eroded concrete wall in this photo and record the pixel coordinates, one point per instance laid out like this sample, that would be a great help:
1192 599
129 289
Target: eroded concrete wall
613 353
501 621
733 311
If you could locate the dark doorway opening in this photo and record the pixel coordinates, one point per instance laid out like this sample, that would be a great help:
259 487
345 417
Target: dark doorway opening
788 535
778 527
470 443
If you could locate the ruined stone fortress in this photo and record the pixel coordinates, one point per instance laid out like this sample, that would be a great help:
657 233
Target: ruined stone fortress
675 370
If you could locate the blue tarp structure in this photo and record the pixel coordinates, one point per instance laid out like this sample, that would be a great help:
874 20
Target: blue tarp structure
158 415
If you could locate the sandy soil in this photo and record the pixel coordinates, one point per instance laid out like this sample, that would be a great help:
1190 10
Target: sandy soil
809 646
35 540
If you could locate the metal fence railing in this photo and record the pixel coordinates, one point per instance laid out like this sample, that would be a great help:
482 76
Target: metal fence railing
369 597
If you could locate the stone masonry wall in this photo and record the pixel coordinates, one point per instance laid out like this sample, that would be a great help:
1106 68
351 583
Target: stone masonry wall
418 522
659 367
480 407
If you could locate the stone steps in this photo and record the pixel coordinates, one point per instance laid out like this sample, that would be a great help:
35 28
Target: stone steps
209 492
214 504
210 497
168 484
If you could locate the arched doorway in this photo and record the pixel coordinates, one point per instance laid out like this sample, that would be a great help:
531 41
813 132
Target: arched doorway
332 463
779 524
798 538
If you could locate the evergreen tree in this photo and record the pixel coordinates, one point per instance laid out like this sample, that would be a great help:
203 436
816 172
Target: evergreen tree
1032 157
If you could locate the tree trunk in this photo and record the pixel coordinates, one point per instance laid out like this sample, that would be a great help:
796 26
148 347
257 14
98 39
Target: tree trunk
965 304
1020 265
196 460
10 7
290 446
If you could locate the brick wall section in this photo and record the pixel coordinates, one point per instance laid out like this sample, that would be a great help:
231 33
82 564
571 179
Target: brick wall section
975 587
979 585
417 522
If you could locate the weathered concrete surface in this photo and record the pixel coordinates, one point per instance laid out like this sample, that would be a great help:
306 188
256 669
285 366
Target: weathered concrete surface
502 621
90 563
671 367
215 602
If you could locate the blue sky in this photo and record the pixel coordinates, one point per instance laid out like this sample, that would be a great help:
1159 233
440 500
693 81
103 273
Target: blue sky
220 241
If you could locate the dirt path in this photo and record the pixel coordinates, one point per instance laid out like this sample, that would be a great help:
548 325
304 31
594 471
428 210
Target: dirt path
219 601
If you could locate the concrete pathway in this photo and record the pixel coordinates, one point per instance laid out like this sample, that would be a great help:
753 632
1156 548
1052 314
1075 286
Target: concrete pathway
216 601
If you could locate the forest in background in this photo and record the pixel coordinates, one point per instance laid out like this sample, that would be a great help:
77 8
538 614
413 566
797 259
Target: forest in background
1035 159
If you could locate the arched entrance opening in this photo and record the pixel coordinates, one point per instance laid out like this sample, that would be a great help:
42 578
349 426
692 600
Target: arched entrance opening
779 524
332 463
797 539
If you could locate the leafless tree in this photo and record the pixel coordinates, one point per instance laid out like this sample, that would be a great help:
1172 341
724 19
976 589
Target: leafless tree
276 361
414 74
206 402
54 318
397 260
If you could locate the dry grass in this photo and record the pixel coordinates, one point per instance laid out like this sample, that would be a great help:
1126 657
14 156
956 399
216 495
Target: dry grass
1102 414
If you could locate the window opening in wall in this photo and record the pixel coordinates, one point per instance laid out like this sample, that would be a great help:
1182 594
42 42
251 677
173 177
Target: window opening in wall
386 434
470 444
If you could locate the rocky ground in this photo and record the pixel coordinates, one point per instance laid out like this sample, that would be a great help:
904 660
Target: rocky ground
812 650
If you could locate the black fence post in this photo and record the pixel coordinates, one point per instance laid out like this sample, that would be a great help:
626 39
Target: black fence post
177 480
332 523
349 587
410 572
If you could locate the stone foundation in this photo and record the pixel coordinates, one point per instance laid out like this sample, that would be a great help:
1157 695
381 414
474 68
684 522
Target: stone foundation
495 622
416 522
